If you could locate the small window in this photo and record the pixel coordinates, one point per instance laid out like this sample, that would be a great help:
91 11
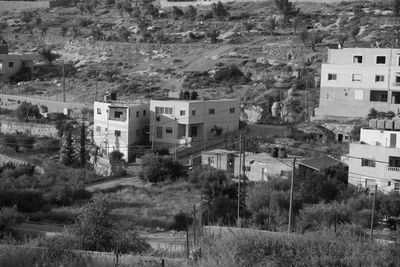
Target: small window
117 133
248 168
367 162
137 114
332 77
357 60
210 160
106 129
193 112
211 111
170 110
193 131
389 183
161 110
379 78
396 186
98 129
11 65
183 112
168 130
356 77
378 96
98 110
381 60
117 114
144 113
232 110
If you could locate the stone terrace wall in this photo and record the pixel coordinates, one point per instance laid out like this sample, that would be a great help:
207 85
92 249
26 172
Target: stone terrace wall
24 5
34 129
4 159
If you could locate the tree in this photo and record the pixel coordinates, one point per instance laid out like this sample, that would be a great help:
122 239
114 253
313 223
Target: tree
248 26
213 34
342 37
316 38
26 112
161 168
124 34
150 9
63 30
219 11
396 8
177 12
304 36
3 27
160 37
47 54
287 9
271 24
68 151
354 32
9 217
190 13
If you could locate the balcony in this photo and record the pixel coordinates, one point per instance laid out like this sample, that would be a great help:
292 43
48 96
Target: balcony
393 169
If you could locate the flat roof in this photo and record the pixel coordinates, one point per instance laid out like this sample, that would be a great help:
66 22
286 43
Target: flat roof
192 101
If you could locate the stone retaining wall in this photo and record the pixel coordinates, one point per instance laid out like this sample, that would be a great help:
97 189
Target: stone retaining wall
34 129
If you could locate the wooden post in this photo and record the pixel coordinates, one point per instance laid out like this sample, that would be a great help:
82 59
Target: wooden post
187 240
291 196
194 226
240 173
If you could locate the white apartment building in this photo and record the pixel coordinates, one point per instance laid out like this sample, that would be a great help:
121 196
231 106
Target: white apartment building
375 159
184 121
118 125
354 80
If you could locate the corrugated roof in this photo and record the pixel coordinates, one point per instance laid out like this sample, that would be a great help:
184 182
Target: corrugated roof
320 163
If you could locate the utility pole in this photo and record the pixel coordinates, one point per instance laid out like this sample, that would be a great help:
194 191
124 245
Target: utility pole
194 226
95 96
244 174
63 76
291 195
373 212
240 173
83 145
307 109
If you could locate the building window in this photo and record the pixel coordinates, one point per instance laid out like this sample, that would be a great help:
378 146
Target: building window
159 132
232 110
144 113
183 112
248 169
367 162
379 78
396 186
137 114
11 65
378 96
193 112
211 111
356 77
381 60
106 129
193 131
168 130
332 77
98 110
118 114
98 129
389 183
210 160
117 133
397 83
357 59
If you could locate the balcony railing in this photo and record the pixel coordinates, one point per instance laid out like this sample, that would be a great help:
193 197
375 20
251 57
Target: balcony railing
396 84
393 169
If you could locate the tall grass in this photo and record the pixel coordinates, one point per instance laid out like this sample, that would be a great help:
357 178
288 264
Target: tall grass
323 248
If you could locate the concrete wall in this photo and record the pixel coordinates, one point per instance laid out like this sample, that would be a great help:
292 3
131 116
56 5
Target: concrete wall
339 128
379 138
16 60
34 129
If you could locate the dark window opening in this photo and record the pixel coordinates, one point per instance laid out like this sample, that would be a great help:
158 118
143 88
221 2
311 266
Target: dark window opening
168 130
117 133
193 131
378 96
395 97
211 111
357 59
98 110
381 60
332 77
379 78
394 162
368 162
118 114
11 64
232 110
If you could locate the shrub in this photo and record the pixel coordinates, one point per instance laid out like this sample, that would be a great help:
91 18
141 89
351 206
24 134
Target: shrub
161 168
25 200
27 111
181 220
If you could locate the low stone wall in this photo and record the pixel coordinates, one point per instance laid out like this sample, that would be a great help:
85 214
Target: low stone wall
5 159
25 5
34 129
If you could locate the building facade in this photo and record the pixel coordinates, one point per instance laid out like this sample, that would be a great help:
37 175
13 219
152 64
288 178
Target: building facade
11 64
119 125
354 80
184 122
375 159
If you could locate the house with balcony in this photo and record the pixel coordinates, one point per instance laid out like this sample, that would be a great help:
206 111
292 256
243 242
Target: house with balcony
11 64
186 121
118 125
354 80
375 159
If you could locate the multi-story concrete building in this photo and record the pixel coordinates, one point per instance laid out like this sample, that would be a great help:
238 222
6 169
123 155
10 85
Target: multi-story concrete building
354 80
118 125
11 64
184 121
375 159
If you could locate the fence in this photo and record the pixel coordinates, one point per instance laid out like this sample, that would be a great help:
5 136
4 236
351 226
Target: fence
34 129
